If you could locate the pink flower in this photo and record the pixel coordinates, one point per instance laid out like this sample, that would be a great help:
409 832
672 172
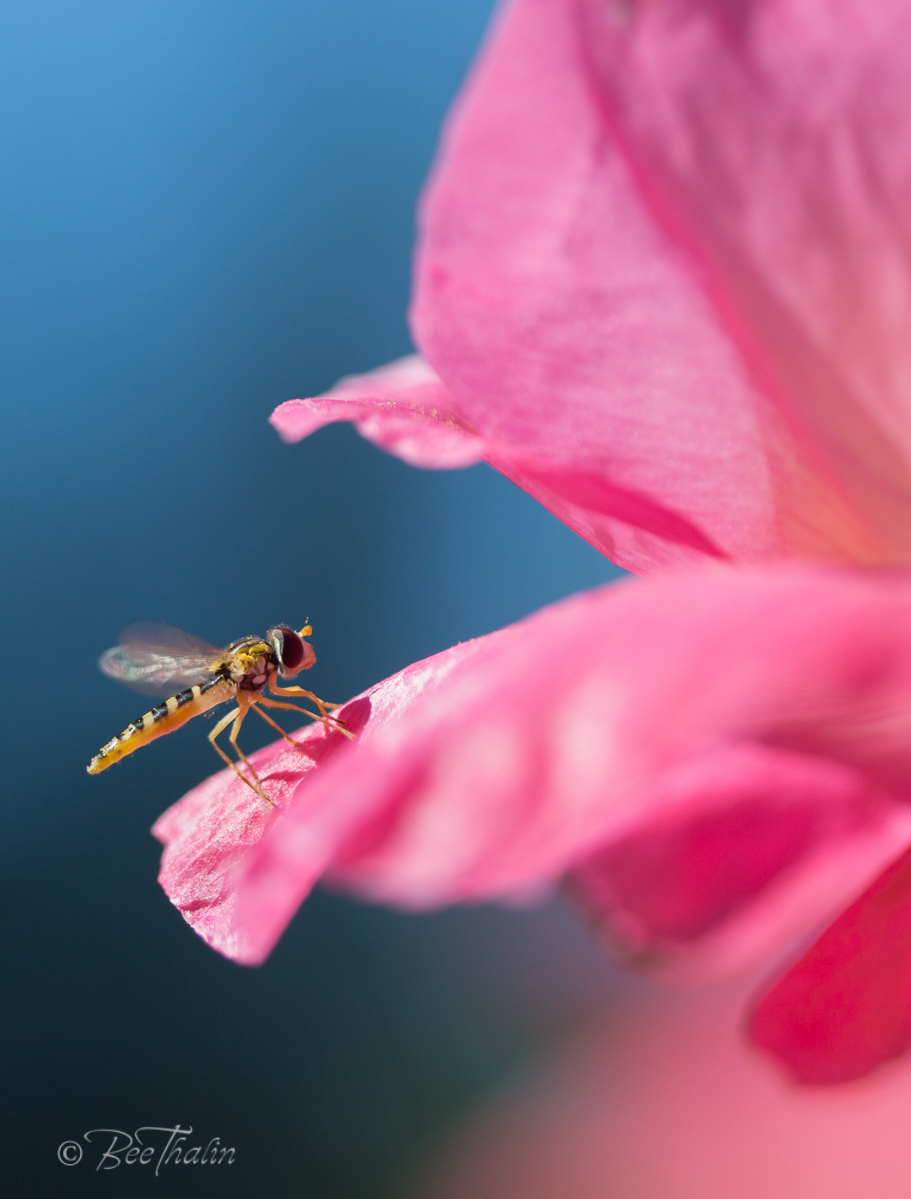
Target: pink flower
661 284
721 757
662 279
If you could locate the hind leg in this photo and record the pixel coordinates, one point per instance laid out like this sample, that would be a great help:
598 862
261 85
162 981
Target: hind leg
236 718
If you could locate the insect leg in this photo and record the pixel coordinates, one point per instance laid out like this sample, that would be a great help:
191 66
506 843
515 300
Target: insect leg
273 703
236 717
268 719
320 703
329 721
220 728
243 707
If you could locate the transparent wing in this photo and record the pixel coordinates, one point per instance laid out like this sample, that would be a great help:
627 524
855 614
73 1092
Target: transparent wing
157 659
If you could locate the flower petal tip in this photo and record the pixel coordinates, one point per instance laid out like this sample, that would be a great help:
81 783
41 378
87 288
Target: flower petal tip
403 408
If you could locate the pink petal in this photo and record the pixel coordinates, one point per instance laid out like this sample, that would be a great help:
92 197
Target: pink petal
403 408
212 834
845 1007
663 276
621 732
773 141
571 329
213 830
745 849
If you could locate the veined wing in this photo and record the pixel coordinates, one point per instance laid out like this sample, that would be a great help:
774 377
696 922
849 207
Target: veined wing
157 659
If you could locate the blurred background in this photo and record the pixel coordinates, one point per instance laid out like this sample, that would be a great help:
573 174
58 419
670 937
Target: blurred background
206 208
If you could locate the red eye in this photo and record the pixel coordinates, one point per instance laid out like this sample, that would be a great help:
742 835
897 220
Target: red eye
290 649
292 654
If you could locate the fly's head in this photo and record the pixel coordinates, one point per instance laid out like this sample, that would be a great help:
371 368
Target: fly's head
292 653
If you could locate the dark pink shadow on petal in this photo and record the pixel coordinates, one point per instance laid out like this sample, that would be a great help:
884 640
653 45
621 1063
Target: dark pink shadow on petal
354 714
725 827
682 880
845 1007
596 494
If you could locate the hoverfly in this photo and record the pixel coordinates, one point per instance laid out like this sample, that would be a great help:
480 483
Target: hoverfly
157 659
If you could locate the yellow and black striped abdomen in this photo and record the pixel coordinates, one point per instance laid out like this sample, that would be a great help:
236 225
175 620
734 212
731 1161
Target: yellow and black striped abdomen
163 718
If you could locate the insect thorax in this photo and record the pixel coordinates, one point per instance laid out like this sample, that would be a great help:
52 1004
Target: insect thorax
249 664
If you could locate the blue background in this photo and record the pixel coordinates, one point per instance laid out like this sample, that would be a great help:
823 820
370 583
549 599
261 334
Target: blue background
206 208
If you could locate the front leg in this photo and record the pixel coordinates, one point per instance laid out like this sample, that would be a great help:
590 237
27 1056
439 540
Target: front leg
329 721
321 704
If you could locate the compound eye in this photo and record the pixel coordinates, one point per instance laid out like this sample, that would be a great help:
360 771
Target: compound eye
292 652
